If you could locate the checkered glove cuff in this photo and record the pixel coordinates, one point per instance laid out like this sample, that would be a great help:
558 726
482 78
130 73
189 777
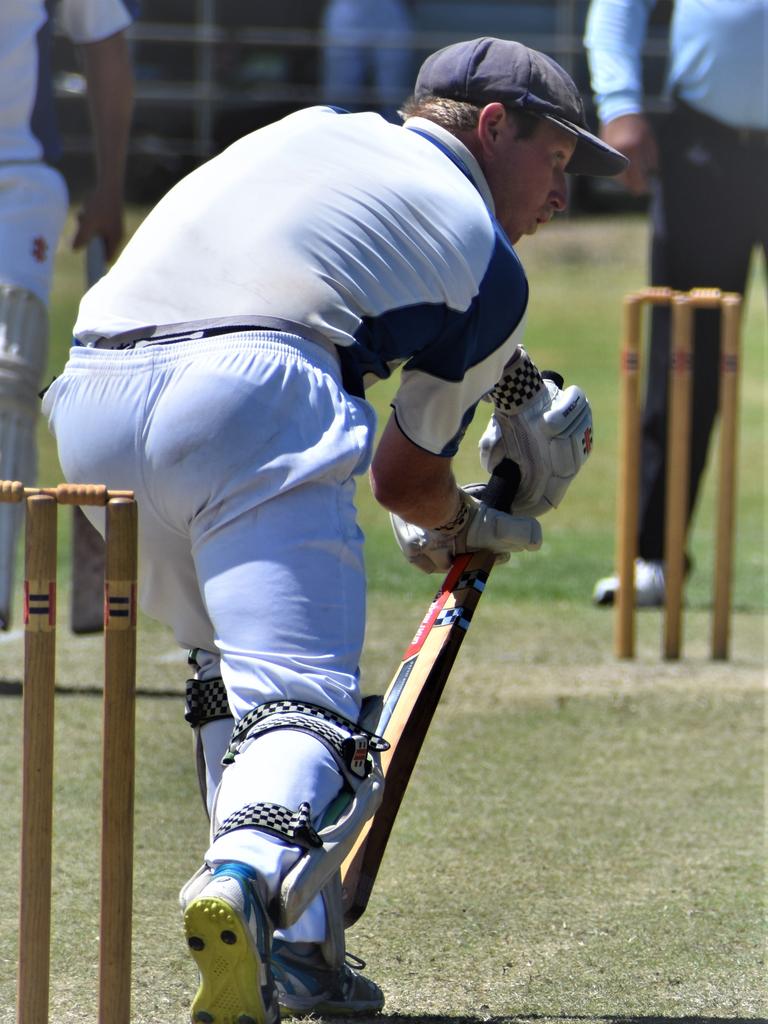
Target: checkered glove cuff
519 385
206 701
293 826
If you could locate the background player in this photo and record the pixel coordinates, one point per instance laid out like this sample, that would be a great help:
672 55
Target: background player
367 46
33 206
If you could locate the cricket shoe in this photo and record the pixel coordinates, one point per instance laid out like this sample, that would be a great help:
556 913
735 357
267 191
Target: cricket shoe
230 938
307 985
649 586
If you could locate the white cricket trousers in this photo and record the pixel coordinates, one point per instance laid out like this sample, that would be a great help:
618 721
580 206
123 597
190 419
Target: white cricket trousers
242 451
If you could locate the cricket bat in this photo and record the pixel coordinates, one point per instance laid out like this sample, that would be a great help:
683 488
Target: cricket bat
413 695
87 604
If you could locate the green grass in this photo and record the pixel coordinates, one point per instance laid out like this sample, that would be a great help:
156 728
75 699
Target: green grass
575 844
583 838
579 271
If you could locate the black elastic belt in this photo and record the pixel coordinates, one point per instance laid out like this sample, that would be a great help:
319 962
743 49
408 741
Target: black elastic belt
130 339
351 378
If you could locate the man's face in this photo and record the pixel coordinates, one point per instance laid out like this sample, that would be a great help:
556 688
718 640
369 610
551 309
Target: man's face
526 176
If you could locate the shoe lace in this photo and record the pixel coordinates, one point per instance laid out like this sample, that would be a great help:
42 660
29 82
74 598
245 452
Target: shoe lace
355 962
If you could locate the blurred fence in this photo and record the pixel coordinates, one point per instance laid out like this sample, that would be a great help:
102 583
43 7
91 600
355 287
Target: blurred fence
210 70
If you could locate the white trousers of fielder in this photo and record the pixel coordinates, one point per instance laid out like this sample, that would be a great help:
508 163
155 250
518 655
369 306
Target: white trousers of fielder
33 208
242 450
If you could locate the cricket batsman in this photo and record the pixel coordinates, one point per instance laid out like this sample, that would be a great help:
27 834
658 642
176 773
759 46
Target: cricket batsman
225 358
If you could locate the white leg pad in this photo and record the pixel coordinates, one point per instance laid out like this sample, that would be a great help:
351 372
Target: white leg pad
23 353
317 866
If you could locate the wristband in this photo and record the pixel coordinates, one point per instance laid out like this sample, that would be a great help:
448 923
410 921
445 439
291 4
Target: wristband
458 521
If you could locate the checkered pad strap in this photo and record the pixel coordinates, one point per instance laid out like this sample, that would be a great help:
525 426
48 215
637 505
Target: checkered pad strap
520 383
349 741
293 826
206 701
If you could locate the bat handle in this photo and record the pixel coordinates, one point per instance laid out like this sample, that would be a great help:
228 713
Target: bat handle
95 260
554 376
505 480
502 486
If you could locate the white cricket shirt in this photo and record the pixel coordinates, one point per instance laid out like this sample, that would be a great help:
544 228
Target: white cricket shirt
375 237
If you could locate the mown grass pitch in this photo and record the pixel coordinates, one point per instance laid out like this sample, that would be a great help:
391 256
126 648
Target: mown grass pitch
583 838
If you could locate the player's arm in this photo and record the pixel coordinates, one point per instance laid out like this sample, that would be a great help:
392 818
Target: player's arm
109 74
614 38
411 482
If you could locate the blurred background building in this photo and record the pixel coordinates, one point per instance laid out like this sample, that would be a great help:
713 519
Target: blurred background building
209 71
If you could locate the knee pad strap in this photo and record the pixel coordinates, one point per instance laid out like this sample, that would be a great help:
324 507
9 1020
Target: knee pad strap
293 826
206 701
350 744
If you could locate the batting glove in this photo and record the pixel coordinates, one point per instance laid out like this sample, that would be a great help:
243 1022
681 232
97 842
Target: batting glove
545 430
477 527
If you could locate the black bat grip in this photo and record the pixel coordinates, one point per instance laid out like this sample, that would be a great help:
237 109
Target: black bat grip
502 487
554 376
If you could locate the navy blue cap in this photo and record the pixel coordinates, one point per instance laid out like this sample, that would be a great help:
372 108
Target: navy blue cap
489 70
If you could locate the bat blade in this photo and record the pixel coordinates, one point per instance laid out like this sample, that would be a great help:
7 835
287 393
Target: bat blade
408 707
414 693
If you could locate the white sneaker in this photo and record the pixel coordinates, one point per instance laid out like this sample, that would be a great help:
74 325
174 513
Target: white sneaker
649 586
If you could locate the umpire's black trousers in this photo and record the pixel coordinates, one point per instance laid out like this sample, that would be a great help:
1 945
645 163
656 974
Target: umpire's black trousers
709 210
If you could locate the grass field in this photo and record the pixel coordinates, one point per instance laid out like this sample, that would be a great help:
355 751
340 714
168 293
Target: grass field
583 839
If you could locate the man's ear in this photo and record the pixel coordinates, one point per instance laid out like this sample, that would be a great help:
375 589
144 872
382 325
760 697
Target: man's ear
493 121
